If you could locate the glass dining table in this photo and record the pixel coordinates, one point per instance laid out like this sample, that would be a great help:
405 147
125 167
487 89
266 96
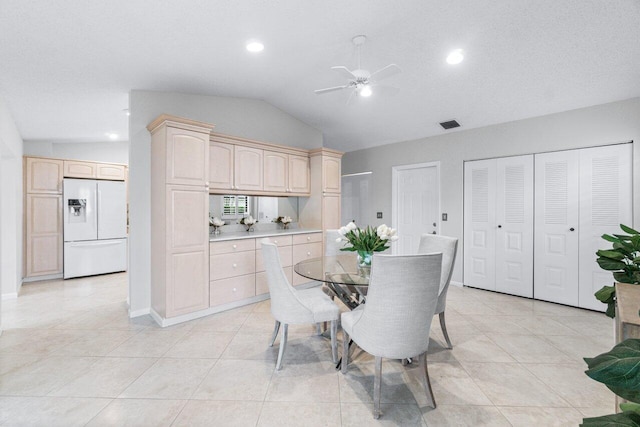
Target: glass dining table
341 275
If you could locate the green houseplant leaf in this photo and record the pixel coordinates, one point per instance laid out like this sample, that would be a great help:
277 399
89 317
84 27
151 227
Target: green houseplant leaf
618 369
624 419
633 407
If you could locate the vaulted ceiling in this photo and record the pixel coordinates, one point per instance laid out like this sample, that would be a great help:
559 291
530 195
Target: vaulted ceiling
66 67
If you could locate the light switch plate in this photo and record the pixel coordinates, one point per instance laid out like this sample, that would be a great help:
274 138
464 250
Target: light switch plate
379 215
444 216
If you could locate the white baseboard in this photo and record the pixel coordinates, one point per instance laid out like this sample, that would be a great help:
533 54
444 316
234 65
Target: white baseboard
12 295
41 278
138 313
458 284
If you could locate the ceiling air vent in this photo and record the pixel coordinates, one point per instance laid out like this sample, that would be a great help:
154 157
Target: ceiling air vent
450 124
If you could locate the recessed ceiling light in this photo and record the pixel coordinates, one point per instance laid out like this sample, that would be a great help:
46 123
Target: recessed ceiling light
455 57
112 135
255 46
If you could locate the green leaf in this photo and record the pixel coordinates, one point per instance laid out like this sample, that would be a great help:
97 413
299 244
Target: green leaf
611 309
611 254
610 265
628 394
624 419
610 238
628 229
606 294
632 407
622 276
618 368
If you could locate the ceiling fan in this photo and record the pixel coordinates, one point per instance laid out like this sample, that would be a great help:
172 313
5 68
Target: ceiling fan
360 80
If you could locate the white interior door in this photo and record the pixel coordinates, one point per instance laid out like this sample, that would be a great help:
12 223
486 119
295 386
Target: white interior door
479 223
605 202
416 203
514 232
556 223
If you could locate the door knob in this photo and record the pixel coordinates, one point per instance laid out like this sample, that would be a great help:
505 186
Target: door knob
499 226
572 229
434 224
433 232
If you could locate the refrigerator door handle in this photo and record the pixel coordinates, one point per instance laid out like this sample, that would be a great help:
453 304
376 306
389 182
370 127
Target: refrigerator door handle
95 243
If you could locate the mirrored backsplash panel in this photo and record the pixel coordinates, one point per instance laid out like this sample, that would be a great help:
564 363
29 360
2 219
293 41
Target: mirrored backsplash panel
232 208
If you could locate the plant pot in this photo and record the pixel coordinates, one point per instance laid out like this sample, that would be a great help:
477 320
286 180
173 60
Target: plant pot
364 262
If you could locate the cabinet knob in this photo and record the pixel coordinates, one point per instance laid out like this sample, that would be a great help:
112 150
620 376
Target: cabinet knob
235 265
275 241
235 289
499 226
308 237
308 253
572 229
234 246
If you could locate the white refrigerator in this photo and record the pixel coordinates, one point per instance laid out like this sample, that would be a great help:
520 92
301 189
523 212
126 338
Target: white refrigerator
95 227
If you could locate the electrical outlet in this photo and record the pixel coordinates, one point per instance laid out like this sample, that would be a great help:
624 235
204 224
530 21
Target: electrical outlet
444 216
379 215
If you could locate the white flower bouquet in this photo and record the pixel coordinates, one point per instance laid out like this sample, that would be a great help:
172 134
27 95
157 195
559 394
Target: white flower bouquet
366 241
248 221
216 223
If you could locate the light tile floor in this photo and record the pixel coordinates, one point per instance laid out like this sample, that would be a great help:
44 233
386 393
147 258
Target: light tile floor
70 356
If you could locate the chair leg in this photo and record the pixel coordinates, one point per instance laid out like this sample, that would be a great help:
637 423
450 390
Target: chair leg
424 373
443 326
376 388
345 351
334 343
275 333
283 345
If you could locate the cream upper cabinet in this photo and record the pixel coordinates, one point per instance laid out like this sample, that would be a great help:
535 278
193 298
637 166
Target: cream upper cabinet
248 168
221 166
44 175
80 169
275 171
299 176
331 171
187 157
43 234
110 172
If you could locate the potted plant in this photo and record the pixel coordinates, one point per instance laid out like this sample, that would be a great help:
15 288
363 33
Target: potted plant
623 260
366 241
216 223
619 370
248 221
284 220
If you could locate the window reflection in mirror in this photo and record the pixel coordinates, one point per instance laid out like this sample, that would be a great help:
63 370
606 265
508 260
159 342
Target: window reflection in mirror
232 208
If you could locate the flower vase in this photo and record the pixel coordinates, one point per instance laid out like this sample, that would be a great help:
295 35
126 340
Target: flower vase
249 227
364 262
285 226
216 230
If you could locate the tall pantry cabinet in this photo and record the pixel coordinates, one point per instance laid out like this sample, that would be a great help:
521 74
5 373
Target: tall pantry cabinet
179 224
532 224
43 217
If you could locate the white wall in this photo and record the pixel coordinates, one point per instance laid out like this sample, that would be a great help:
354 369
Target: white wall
248 118
598 125
107 151
10 204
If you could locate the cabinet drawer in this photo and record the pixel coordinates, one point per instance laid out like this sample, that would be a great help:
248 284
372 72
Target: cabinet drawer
79 169
299 239
278 240
230 246
230 265
262 286
285 257
228 290
306 251
299 280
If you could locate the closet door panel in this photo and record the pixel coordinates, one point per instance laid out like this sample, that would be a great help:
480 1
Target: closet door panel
556 223
514 232
479 224
605 202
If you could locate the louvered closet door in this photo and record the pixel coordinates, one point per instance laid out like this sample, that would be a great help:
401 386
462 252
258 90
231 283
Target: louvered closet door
514 230
605 202
556 223
479 224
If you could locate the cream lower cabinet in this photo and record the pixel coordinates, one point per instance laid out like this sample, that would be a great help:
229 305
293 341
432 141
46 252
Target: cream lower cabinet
285 251
43 234
187 257
232 269
305 246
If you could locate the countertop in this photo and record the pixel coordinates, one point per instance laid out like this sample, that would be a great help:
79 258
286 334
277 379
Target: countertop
259 234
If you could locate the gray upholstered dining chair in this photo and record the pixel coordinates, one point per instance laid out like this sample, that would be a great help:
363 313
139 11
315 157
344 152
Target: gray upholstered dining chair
432 243
402 298
331 245
293 306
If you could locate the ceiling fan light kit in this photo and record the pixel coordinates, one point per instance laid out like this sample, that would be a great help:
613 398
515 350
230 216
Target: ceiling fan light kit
360 81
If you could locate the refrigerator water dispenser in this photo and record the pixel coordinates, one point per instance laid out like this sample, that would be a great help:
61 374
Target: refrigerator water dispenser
77 210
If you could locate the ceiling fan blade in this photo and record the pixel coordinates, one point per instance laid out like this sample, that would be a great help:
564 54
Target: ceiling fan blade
388 71
330 89
346 73
351 97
